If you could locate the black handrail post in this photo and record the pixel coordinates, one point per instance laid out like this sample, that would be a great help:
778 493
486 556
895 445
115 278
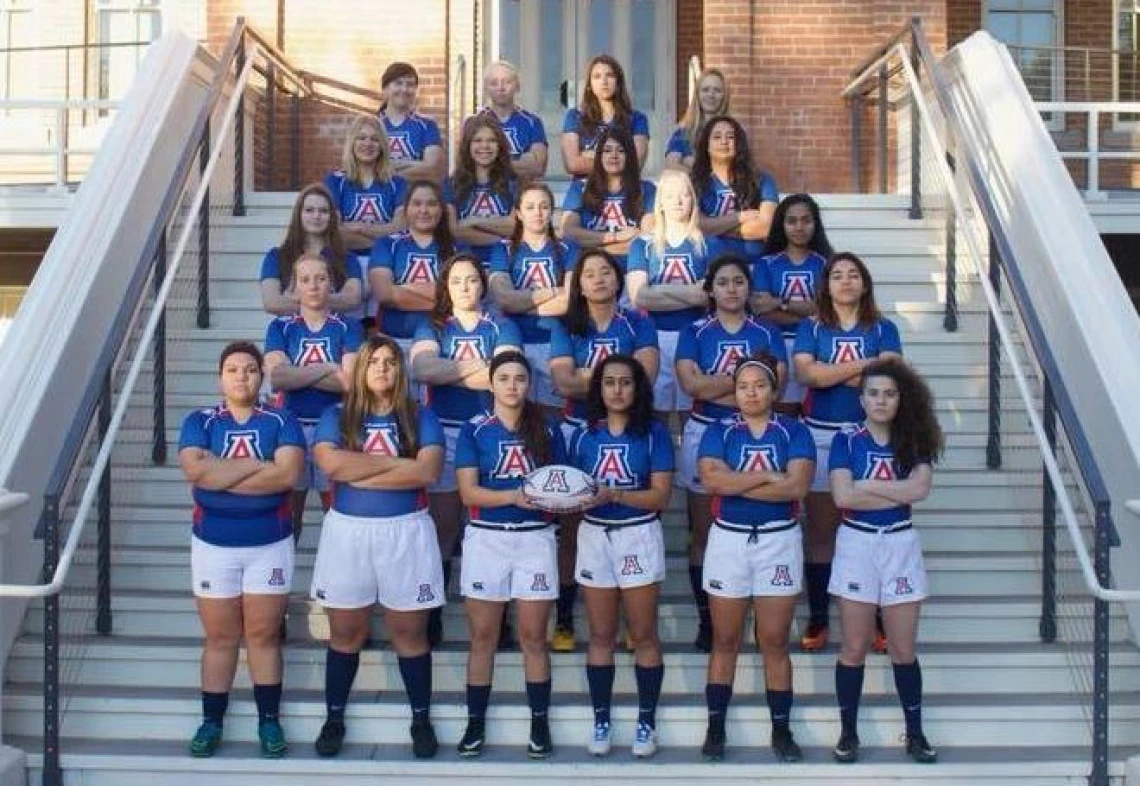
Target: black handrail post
883 107
158 449
52 773
271 121
1101 555
950 317
857 143
103 621
204 233
915 143
239 137
993 439
1047 626
295 143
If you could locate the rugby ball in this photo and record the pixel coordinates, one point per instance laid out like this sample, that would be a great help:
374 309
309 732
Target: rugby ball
559 488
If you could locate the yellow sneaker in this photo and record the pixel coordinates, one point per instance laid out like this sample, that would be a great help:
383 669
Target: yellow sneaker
563 639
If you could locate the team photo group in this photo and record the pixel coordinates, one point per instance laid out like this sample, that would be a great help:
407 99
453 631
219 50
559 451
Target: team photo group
470 374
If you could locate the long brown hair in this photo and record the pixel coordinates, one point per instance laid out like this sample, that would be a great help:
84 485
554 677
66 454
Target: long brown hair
596 188
360 402
869 312
591 106
442 232
294 244
533 427
502 172
517 234
916 436
444 309
742 172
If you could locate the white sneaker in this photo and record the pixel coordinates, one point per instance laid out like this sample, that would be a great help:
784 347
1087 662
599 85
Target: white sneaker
601 741
645 742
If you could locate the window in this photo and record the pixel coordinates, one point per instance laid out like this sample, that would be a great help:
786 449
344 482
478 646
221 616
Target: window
124 21
1126 68
11 22
1032 31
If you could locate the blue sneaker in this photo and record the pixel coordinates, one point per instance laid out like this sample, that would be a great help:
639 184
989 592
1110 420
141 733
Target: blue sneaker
206 740
272 739
645 742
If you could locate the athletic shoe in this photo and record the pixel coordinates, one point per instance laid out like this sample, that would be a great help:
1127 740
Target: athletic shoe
206 740
272 739
703 642
785 747
601 740
424 743
435 627
879 645
540 745
920 750
814 638
331 738
847 749
506 637
645 742
471 746
563 639
713 747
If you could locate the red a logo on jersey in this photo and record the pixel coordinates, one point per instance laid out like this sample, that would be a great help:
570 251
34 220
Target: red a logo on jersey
420 270
728 354
381 441
612 216
513 461
313 351
797 286
758 458
847 349
537 274
367 209
677 269
483 205
881 466
725 202
612 467
467 348
241 444
600 349
399 147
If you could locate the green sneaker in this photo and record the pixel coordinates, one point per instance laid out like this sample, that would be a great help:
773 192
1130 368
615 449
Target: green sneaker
272 738
206 740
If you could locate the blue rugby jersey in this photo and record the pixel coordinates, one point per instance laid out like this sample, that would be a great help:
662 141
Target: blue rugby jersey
796 283
304 347
528 268
680 264
409 263
572 124
408 140
621 461
856 450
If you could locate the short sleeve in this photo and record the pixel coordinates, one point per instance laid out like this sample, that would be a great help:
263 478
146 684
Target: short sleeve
574 449
712 442
639 255
561 344
466 449
801 445
648 195
539 131
328 427
761 276
194 432
508 333
291 434
270 266
381 256
679 144
572 122
429 428
572 202
805 338
840 455
889 339
687 344
275 337
644 332
499 262
768 190
353 335
352 266
399 192
776 342
425 331
639 124
661 457
431 133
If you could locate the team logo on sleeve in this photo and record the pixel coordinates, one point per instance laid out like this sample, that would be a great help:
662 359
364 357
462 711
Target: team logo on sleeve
513 461
467 348
600 349
538 273
677 269
368 209
612 466
400 146
611 216
796 286
844 350
381 440
725 202
314 350
880 466
728 354
758 458
420 269
242 444
484 204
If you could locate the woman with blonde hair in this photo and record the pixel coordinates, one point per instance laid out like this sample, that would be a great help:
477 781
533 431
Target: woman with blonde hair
711 98
367 193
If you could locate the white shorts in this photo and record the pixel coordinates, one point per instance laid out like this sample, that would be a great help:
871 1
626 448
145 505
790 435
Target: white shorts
233 571
686 476
880 568
391 561
447 481
794 392
500 564
821 481
623 557
738 565
311 476
667 393
541 383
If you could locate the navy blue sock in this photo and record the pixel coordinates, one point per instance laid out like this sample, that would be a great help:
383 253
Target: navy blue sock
848 690
696 577
717 696
780 708
649 679
478 697
908 683
340 672
567 596
601 681
268 701
416 673
817 575
214 706
538 698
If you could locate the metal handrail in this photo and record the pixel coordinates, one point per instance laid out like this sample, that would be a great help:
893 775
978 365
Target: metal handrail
69 47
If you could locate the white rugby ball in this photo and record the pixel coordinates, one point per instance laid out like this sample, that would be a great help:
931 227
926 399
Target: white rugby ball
558 488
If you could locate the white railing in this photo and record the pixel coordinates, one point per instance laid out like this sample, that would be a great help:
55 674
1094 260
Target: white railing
1093 154
60 130
102 459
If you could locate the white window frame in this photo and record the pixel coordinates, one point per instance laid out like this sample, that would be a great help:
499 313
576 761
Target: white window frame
1056 123
135 8
1117 123
8 11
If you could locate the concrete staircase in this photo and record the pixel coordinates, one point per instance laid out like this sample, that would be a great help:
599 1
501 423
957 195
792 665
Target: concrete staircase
1001 706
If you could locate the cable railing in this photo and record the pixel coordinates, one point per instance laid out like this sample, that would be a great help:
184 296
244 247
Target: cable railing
947 176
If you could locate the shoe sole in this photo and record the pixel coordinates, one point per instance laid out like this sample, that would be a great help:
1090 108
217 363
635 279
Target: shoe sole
274 754
203 754
470 753
788 757
845 758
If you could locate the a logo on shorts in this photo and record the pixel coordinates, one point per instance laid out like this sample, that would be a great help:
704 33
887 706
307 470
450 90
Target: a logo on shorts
903 587
320 594
277 577
204 585
426 595
587 574
854 586
539 584
782 577
476 586
630 566
715 584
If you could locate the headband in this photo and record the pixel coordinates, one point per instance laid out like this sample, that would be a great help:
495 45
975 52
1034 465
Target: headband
755 364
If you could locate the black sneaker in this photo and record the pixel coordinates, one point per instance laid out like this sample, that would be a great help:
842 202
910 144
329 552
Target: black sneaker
435 627
703 642
506 636
920 750
540 745
471 746
847 749
713 747
785 746
424 743
330 740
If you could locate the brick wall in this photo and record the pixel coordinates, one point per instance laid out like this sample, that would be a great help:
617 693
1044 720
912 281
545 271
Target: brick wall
690 41
963 17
